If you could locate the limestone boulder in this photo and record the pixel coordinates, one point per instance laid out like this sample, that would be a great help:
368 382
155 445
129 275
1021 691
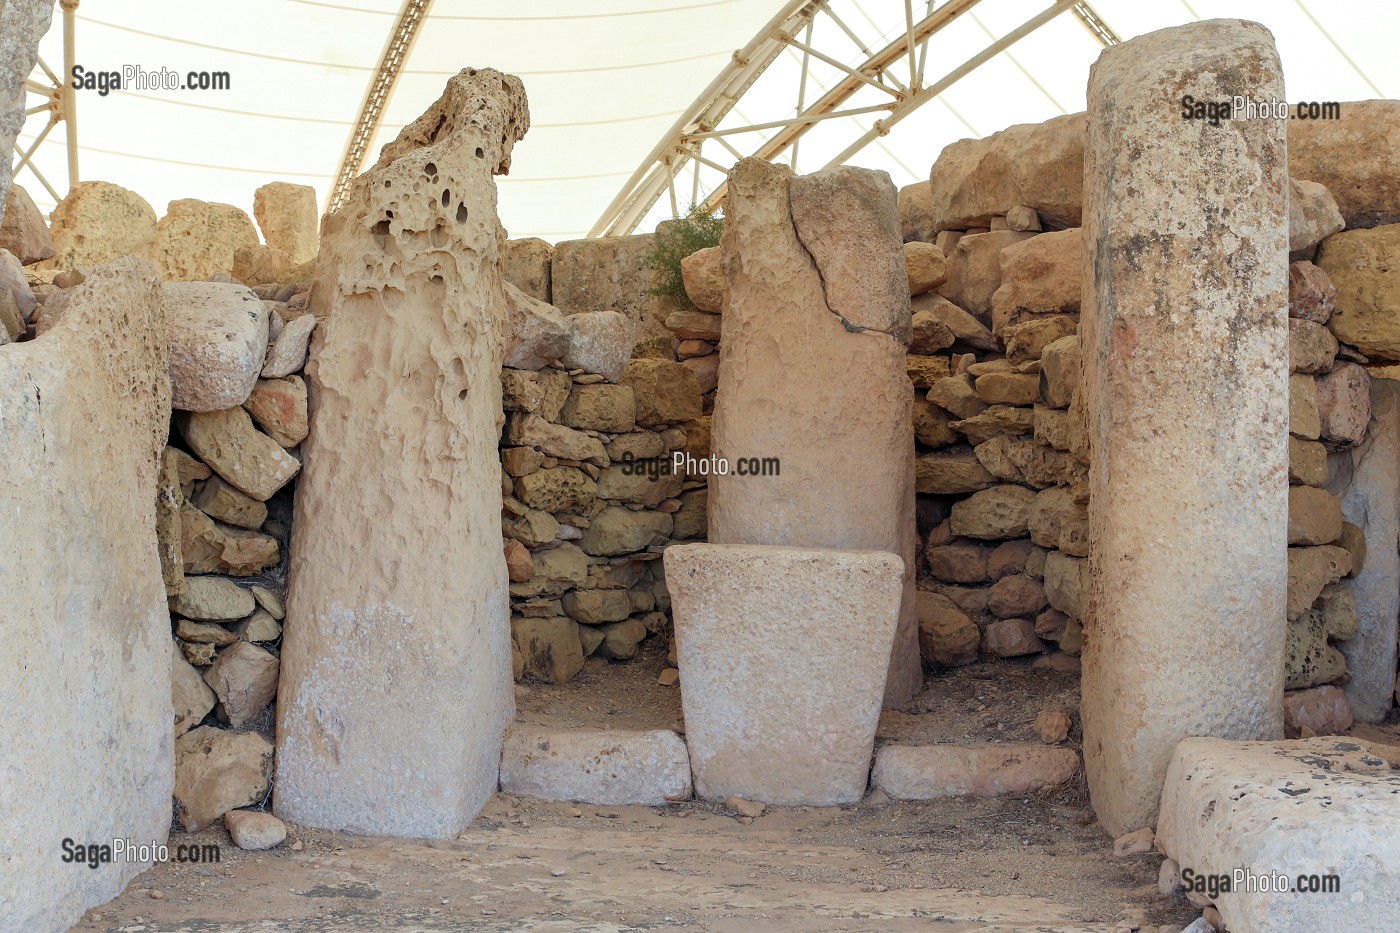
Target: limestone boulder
610 274
249 460
212 547
557 570
218 499
959 561
538 332
197 239
1307 807
244 677
97 222
260 265
1034 165
953 471
1041 275
550 647
191 697
213 599
974 269
601 407
217 335
925 267
1307 462
15 285
1011 638
1361 264
1314 516
800 745
556 489
288 218
1304 419
23 231
553 440
1311 294
253 830
996 513
1353 157
1311 347
526 263
616 531
694 325
1314 712
1027 340
287 354
1060 371
964 327
703 276
1310 653
600 342
218 771
666 392
1344 405
1312 216
1310 570
1066 583
915 205
279 406
947 636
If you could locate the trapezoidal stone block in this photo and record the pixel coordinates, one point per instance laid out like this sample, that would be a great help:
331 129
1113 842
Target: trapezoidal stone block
813 372
396 674
1181 367
86 737
783 653
1281 810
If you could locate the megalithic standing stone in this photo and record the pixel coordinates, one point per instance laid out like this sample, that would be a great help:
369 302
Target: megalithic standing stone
396 678
812 372
1184 337
22 24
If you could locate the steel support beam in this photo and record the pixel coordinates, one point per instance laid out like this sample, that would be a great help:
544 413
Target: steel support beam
680 149
381 87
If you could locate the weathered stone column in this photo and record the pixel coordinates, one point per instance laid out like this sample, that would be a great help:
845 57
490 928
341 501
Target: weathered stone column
22 24
86 728
1186 379
812 371
395 685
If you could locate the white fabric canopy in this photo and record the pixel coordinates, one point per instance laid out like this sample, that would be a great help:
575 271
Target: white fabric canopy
606 80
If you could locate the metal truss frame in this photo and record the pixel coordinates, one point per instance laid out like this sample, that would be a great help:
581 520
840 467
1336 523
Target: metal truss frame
381 87
897 70
59 104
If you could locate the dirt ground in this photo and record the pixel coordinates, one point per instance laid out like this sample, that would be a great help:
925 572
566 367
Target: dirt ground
1029 863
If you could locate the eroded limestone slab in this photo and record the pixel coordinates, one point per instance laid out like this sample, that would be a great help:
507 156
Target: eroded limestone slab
928 772
396 671
597 766
783 653
1312 806
218 338
1181 367
85 704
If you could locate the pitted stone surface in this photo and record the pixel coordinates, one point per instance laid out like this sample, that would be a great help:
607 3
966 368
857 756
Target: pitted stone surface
97 222
396 671
85 704
197 239
782 653
846 445
596 766
1181 367
1312 806
287 216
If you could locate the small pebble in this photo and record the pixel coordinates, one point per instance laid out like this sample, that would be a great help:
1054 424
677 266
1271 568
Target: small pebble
669 677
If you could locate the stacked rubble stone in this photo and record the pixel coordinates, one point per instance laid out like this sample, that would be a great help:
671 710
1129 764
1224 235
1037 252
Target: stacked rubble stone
1002 439
591 494
227 476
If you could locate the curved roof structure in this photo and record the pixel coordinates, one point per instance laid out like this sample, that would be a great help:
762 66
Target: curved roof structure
638 106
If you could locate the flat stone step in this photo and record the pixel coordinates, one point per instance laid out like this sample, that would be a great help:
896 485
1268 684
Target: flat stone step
596 766
1311 807
928 772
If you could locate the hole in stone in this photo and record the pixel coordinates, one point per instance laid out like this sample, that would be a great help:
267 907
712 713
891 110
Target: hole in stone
430 168
381 228
438 237
446 197
461 213
462 395
436 280
480 153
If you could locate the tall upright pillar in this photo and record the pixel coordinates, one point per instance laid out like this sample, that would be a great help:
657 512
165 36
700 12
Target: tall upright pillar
396 679
812 372
1184 337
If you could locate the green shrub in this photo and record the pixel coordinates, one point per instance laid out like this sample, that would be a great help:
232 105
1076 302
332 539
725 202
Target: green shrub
676 240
